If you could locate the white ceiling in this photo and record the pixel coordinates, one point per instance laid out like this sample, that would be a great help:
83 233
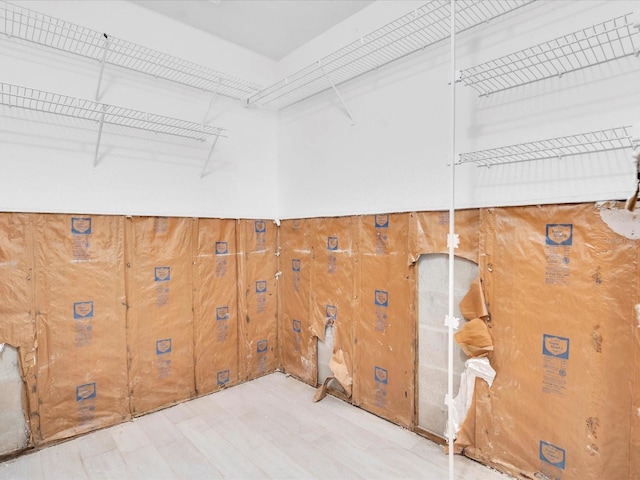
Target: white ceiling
273 28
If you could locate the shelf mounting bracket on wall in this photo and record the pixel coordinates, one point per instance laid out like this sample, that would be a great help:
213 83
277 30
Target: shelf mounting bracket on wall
335 89
206 164
211 102
102 63
95 157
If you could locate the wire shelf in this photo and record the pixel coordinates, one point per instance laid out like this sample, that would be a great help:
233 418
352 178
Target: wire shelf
583 143
44 30
41 101
597 44
423 27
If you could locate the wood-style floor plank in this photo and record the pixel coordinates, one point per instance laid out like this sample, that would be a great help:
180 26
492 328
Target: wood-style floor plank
107 465
265 429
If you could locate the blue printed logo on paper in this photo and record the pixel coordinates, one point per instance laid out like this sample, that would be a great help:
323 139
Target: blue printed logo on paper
85 392
381 375
554 346
295 265
83 310
162 274
559 234
381 298
552 455
222 248
260 226
297 326
261 286
223 377
81 225
222 313
163 346
382 221
262 346
332 312
332 243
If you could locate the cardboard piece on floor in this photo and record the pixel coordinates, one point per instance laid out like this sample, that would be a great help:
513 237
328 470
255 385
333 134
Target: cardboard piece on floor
82 349
321 391
160 315
215 300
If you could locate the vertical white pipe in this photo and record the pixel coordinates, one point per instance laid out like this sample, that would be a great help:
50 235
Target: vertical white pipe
451 240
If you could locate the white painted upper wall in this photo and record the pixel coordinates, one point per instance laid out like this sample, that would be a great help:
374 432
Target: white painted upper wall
395 156
47 160
308 160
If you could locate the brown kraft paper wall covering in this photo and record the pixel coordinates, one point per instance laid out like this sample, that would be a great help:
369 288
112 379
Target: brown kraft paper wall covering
333 290
160 316
363 282
215 301
257 303
385 325
82 350
352 260
561 288
634 468
17 311
428 232
102 355
299 345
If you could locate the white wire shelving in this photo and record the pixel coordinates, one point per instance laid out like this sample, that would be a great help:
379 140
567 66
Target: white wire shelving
35 27
579 144
41 101
610 40
421 28
101 113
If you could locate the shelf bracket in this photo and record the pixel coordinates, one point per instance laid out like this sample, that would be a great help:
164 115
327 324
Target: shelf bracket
95 157
213 99
206 164
333 85
102 63
456 78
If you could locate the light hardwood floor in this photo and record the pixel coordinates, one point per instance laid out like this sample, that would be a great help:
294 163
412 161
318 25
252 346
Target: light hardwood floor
267 428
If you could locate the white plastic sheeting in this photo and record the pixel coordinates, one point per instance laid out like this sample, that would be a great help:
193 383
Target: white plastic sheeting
473 368
432 335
